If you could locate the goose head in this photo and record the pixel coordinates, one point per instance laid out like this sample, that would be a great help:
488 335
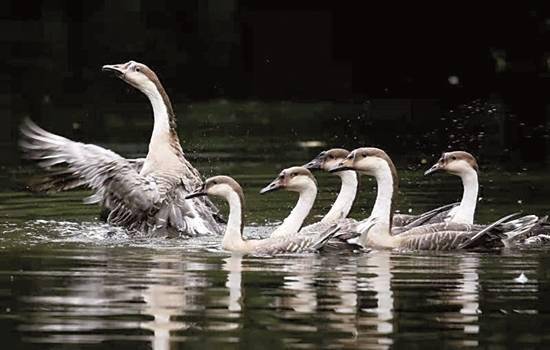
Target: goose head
136 74
366 160
327 160
456 163
294 179
219 186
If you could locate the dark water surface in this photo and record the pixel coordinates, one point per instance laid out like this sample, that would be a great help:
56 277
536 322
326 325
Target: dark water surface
69 281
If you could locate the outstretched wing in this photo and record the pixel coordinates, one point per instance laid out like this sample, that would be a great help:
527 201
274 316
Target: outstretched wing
72 164
64 178
152 203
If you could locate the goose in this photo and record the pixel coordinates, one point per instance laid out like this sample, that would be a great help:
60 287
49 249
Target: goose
341 207
326 160
145 196
301 180
464 165
295 179
228 189
376 230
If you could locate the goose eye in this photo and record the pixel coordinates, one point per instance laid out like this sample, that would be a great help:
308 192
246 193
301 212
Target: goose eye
365 154
330 156
294 174
453 157
136 69
214 182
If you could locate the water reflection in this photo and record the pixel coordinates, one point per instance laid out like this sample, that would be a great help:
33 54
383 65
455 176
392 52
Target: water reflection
165 299
234 268
379 264
300 284
162 297
468 294
376 280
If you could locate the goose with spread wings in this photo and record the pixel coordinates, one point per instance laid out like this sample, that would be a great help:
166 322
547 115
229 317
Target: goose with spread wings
145 196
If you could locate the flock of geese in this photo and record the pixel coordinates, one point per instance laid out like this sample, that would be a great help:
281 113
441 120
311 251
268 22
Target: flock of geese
163 194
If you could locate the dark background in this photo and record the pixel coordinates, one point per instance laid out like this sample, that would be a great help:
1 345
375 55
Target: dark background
405 66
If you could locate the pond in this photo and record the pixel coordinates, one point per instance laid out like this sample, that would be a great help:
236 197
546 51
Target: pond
66 279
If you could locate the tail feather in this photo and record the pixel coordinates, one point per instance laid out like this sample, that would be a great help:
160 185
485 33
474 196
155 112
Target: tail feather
325 237
530 232
348 230
477 238
425 217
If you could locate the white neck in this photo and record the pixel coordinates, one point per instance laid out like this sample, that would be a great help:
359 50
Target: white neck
296 218
342 206
232 238
161 127
161 154
379 234
464 213
384 195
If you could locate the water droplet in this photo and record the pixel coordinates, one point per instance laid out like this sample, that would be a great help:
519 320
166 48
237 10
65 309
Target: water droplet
453 80
521 278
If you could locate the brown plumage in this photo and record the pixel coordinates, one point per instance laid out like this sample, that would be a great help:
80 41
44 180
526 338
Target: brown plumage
145 196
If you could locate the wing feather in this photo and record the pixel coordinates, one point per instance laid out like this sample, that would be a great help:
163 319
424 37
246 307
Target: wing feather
133 200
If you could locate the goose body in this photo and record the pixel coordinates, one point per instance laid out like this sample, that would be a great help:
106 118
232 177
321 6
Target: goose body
231 191
376 232
341 207
464 165
307 189
145 195
339 211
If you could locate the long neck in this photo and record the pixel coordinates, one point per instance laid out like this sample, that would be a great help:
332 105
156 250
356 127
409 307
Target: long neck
233 232
296 218
467 208
376 230
164 128
161 127
342 206
382 209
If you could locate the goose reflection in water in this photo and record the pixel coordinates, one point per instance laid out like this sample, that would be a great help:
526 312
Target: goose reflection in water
300 284
379 300
469 294
170 296
378 266
234 268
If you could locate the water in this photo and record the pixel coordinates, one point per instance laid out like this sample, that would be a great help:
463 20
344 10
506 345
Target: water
68 281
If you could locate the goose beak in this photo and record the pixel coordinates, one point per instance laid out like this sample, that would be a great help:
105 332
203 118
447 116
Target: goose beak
315 164
273 186
346 164
435 168
116 69
199 192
